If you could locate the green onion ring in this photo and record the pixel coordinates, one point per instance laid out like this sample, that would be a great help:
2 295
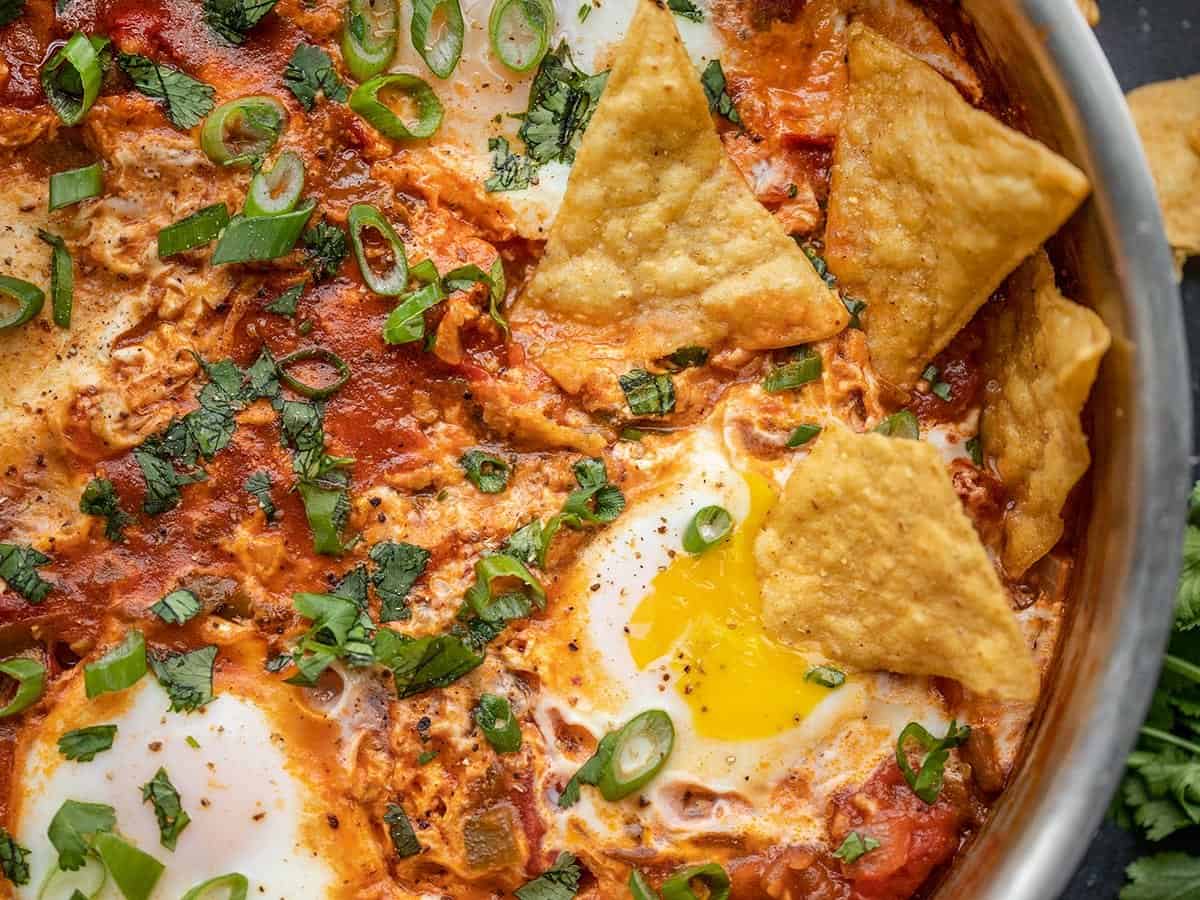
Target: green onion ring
365 101
236 883
276 191
200 228
640 749
240 131
708 527
496 721
679 885
71 79
30 676
119 668
55 876
393 282
406 323
520 32
444 54
29 297
369 36
902 424
134 871
62 279
321 354
639 887
75 185
257 238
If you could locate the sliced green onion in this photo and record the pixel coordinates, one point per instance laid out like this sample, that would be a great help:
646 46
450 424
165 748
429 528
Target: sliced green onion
392 282
639 887
792 375
257 238
135 872
76 185
367 103
236 885
442 56
424 271
520 32
500 565
277 191
369 36
241 131
495 719
639 751
647 394
854 847
71 79
119 668
927 783
29 298
902 424
802 434
826 676
196 230
975 449
709 526
711 875
62 279
87 881
30 676
406 323
321 354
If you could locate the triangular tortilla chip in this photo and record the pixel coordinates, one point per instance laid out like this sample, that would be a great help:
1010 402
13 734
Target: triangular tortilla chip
1167 116
869 557
659 243
1041 354
932 204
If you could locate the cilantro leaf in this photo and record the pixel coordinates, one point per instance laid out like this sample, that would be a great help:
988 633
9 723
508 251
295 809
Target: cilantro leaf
1187 599
589 772
400 830
162 480
686 9
177 607
510 171
323 488
1164 876
854 847
310 72
18 568
399 567
83 744
325 248
9 11
526 543
486 471
233 19
559 882
712 79
259 484
285 303
419 664
167 808
561 102
72 828
927 782
186 677
186 101
100 499
13 863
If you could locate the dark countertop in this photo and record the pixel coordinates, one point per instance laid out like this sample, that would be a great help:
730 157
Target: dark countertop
1145 41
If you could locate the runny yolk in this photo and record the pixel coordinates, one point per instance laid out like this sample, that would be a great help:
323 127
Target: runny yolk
706 611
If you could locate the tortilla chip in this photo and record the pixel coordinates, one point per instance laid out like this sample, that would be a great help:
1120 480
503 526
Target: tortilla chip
869 557
932 204
1167 116
1041 353
659 243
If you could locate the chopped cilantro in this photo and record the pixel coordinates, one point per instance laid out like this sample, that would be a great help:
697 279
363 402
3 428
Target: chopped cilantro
18 568
425 757
712 79
325 248
927 782
100 499
72 828
559 882
561 102
9 11
854 847
185 100
419 664
975 449
647 394
510 171
186 677
83 744
855 308
177 607
341 629
259 484
322 483
486 471
686 357
13 862
589 772
285 303
310 72
167 808
233 19
400 830
398 566
686 9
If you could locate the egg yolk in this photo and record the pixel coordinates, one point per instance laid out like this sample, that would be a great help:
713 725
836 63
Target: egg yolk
706 611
